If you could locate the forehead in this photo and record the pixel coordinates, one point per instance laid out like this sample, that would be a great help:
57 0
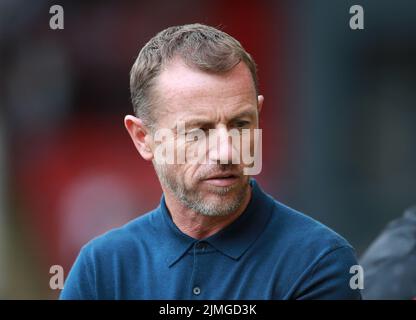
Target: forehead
182 92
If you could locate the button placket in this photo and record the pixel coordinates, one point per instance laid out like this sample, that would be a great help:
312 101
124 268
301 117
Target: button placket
196 288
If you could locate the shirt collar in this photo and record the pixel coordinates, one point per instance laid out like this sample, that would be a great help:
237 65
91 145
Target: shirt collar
233 241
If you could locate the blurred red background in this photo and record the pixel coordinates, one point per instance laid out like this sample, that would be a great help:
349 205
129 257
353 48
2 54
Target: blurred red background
338 120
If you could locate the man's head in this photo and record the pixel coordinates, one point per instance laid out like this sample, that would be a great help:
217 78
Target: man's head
202 77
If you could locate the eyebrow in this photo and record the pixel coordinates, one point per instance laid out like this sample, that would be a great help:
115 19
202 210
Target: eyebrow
202 121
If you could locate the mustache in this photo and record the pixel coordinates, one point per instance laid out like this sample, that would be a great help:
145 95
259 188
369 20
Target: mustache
222 169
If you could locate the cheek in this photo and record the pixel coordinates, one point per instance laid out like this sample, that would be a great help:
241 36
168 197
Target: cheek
189 174
196 151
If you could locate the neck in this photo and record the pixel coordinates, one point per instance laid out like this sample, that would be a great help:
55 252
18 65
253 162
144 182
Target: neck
200 226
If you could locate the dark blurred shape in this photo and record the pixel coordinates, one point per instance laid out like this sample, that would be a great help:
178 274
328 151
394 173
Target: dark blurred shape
390 261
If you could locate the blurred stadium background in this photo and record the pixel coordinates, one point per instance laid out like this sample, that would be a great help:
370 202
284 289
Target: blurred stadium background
339 119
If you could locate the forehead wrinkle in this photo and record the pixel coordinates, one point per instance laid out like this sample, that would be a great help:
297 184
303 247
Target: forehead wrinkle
190 82
187 92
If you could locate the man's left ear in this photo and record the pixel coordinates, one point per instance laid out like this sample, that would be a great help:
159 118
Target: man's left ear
260 100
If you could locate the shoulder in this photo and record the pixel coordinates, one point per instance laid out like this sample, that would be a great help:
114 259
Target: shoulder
304 231
396 241
391 259
117 240
105 257
317 260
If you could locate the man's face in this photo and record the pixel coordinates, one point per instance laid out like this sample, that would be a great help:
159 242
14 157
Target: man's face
215 104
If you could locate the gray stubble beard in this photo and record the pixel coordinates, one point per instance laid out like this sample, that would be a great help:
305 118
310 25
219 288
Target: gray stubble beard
195 202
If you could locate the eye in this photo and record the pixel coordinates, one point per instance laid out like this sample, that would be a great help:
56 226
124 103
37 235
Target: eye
242 123
204 129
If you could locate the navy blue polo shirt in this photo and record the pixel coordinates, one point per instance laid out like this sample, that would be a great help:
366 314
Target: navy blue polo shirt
269 252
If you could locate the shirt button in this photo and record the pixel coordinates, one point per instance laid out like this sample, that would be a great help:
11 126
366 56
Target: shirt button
196 290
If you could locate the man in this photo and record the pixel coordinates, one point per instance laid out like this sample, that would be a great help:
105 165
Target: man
215 234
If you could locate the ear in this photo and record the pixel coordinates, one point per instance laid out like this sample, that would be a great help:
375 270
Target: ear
260 100
140 135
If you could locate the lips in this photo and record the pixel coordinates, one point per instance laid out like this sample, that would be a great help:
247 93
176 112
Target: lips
222 176
223 179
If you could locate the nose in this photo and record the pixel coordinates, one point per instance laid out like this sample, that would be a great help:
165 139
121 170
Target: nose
222 146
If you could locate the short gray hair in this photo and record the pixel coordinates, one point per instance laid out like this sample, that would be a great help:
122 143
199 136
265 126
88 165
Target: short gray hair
198 45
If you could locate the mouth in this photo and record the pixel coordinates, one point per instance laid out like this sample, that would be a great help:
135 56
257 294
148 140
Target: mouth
222 180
